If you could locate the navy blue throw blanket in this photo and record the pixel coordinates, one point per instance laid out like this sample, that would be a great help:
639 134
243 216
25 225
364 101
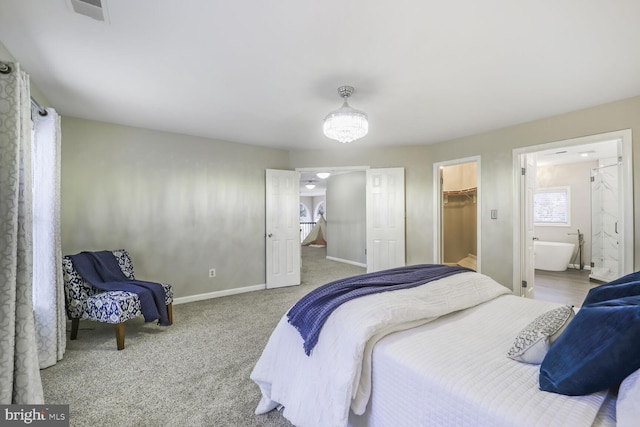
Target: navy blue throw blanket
101 270
309 314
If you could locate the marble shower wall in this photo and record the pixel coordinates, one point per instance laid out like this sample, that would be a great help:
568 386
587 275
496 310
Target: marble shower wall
605 216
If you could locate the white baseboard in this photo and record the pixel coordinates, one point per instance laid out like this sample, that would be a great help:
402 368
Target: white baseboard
217 294
577 266
346 261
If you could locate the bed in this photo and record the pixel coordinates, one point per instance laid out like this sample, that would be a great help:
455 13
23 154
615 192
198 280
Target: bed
436 355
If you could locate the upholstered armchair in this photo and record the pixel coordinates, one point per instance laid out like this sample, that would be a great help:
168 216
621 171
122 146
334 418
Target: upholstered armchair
84 301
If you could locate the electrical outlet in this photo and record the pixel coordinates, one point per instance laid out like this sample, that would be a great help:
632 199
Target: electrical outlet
212 272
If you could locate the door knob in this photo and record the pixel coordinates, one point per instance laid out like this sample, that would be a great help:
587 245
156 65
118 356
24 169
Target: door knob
270 234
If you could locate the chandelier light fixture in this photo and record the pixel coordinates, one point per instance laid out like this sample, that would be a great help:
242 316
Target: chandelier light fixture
346 124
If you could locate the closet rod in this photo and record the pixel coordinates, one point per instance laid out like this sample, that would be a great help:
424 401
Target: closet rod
6 69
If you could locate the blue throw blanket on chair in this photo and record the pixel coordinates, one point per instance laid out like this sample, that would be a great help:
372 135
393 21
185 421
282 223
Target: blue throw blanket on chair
102 271
309 314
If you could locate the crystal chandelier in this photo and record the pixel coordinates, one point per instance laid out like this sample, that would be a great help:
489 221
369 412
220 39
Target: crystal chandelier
346 124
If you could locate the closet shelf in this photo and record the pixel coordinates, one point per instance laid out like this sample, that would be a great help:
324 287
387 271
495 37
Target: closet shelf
464 191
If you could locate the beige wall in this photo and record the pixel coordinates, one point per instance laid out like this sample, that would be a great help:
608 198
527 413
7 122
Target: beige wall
497 181
460 176
185 204
180 204
347 218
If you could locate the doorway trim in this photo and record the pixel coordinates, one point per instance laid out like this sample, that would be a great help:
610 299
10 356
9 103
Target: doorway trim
437 208
333 169
625 150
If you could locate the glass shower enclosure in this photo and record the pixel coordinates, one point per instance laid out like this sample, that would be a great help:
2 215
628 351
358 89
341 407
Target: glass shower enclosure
605 218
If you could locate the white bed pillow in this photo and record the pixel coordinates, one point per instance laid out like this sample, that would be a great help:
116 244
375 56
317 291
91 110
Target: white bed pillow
533 342
628 404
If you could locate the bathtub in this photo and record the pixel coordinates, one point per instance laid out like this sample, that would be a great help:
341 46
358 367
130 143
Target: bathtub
552 256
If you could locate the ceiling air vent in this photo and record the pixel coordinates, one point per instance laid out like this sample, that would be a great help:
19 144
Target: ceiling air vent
95 9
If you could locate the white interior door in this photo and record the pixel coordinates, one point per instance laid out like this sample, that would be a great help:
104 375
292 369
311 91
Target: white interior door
282 228
529 188
385 219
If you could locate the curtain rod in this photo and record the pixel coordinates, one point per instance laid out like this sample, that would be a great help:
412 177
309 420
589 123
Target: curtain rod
6 69
41 110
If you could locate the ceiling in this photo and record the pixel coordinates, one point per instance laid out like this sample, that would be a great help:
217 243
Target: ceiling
307 177
267 72
604 150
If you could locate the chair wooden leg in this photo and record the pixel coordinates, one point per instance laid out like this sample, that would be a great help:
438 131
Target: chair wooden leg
75 323
120 335
170 313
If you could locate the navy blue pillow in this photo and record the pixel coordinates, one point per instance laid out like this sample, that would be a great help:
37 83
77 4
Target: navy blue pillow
597 350
623 287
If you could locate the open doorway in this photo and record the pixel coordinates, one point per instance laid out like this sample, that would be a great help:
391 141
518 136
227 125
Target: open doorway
313 191
458 217
339 194
365 214
566 237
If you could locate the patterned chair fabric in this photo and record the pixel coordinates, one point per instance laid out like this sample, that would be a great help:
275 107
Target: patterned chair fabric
83 301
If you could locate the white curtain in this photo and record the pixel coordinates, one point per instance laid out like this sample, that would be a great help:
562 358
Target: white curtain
48 292
19 368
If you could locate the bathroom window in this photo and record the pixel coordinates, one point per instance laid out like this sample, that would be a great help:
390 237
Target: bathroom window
552 206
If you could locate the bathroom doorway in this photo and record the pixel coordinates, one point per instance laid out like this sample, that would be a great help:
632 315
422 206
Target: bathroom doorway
457 223
565 173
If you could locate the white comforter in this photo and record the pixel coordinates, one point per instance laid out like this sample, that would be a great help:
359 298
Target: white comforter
454 372
319 390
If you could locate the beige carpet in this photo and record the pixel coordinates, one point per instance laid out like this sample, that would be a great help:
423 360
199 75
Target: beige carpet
193 373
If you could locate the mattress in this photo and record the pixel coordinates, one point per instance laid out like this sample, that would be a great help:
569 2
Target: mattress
454 371
319 390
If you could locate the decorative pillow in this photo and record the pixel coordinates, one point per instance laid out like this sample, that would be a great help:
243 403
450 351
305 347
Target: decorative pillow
597 350
628 404
533 342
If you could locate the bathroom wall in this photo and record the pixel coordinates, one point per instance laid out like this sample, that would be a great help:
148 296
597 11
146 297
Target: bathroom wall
605 217
576 176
